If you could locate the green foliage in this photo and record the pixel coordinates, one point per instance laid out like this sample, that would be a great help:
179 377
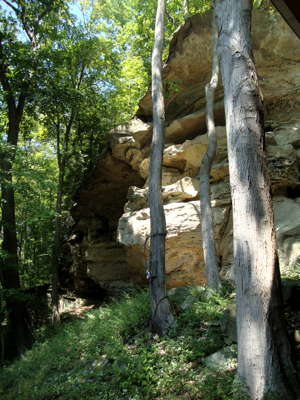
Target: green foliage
67 76
110 354
294 273
130 25
34 182
35 176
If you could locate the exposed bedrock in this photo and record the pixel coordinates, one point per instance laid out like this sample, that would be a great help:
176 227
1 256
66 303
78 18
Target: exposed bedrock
110 241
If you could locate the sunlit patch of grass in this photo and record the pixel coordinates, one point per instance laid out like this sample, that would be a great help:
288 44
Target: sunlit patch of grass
111 355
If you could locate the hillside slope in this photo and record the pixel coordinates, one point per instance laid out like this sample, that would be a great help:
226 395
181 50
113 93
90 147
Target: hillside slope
109 354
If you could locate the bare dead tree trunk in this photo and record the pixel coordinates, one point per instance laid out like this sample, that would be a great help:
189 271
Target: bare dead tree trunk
207 223
162 317
264 354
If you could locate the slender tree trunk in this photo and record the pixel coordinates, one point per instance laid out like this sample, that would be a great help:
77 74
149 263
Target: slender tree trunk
186 9
62 149
91 150
57 232
264 354
207 223
56 253
62 155
161 313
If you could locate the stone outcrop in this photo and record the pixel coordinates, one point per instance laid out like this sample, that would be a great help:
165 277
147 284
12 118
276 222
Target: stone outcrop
183 250
110 243
187 70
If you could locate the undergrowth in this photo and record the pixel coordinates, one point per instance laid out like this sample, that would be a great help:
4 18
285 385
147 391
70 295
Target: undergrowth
111 355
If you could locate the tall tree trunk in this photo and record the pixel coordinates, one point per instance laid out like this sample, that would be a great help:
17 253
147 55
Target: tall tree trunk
207 223
55 318
62 155
56 251
161 313
19 333
264 354
57 230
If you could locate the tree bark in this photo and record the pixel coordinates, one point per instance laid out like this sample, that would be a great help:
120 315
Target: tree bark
56 252
55 318
207 223
264 354
162 317
19 332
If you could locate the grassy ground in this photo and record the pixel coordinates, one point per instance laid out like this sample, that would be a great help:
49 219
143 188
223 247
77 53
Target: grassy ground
109 354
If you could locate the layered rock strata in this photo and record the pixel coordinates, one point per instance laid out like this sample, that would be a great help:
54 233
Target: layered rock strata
110 243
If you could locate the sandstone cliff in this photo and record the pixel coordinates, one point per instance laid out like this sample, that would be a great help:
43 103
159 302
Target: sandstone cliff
110 241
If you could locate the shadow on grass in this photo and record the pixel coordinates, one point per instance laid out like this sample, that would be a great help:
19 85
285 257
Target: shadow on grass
111 355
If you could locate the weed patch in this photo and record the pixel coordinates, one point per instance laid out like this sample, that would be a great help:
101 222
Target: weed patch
111 355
